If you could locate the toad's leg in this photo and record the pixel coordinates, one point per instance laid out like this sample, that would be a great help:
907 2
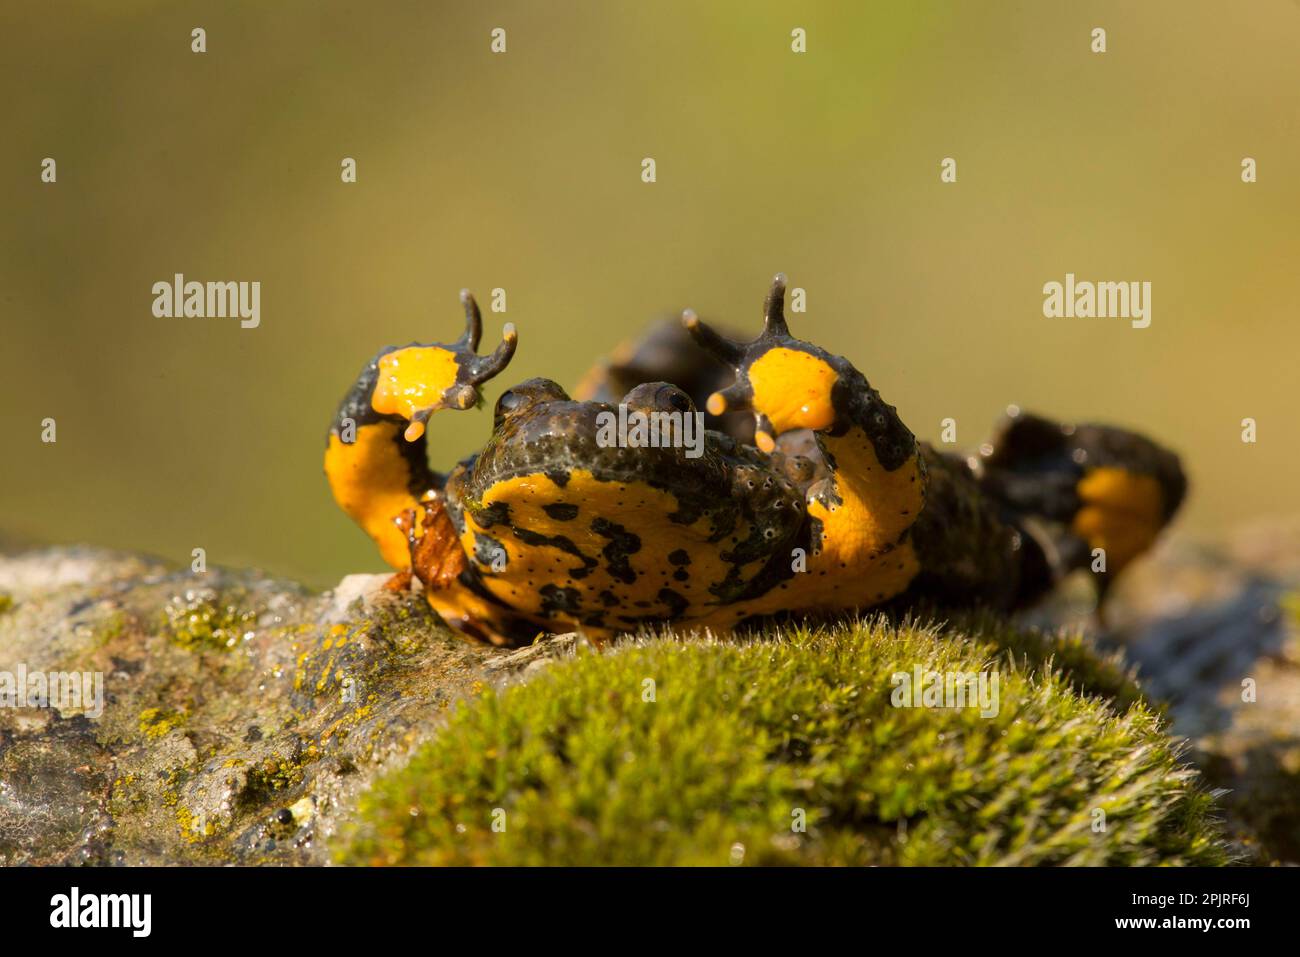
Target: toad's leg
1096 496
377 468
375 458
864 511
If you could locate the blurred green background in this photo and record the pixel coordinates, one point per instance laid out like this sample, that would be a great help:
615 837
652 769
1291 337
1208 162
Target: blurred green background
523 171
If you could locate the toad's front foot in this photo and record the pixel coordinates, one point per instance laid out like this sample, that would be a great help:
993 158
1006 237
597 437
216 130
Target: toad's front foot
417 381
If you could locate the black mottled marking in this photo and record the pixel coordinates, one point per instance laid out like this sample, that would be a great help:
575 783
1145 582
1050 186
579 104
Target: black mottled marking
688 513
608 598
486 548
561 511
498 513
559 476
557 599
816 535
561 542
677 604
681 575
356 404
679 557
776 569
857 403
622 544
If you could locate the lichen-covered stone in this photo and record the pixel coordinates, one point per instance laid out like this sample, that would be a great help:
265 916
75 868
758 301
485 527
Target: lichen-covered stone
241 715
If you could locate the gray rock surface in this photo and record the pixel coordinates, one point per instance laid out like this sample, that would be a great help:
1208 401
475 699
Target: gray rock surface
241 716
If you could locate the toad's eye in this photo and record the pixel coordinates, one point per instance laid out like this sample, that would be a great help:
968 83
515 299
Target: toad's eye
509 402
677 400
658 397
525 395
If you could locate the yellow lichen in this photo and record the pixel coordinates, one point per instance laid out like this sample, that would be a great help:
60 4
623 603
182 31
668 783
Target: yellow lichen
156 723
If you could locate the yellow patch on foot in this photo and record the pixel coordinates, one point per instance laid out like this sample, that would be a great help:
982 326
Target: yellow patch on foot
793 389
412 379
1122 512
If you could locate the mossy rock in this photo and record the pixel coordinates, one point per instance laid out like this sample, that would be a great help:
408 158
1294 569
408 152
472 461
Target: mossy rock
744 741
237 717
248 721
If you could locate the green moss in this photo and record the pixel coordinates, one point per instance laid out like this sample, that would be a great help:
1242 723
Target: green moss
743 740
200 621
1081 666
6 602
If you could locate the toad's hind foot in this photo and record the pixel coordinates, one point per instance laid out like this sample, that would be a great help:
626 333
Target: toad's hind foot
1095 496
